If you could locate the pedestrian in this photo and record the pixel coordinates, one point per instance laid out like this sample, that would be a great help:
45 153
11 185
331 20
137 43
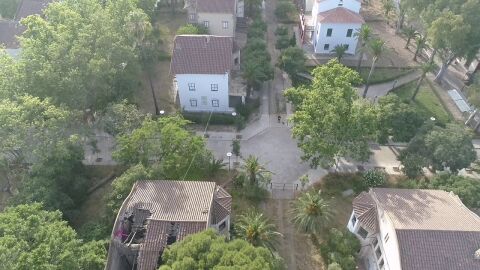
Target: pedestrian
279 118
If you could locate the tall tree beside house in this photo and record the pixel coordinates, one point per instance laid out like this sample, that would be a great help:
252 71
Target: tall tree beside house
256 66
252 7
340 51
376 48
81 53
208 250
420 43
32 238
447 35
292 61
426 67
410 33
364 34
257 230
311 212
330 121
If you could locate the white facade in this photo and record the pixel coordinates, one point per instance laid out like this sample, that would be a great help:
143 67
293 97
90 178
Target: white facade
324 41
218 24
380 249
309 5
203 92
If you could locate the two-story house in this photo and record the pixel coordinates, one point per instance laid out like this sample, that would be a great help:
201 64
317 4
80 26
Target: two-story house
218 16
332 23
202 69
159 213
415 229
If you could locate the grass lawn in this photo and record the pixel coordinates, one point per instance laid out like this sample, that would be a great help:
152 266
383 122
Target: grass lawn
381 75
426 101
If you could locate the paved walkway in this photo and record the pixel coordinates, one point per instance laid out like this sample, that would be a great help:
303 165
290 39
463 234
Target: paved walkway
382 89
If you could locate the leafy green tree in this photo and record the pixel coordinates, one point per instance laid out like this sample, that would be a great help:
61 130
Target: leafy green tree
257 230
397 119
32 238
292 61
58 180
121 118
207 250
252 7
254 172
374 178
311 212
334 266
8 8
376 48
281 30
83 54
340 51
388 7
412 165
329 120
340 249
168 143
447 35
420 43
284 10
282 42
364 34
257 29
256 66
410 33
466 188
427 67
191 29
236 148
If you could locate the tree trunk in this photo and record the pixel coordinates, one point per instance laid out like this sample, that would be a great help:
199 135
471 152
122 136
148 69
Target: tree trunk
432 57
367 84
408 42
416 52
443 69
401 19
417 88
249 90
361 57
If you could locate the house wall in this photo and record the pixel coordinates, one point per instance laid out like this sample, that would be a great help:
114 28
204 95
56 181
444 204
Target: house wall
203 93
352 5
240 9
215 23
338 37
309 5
390 248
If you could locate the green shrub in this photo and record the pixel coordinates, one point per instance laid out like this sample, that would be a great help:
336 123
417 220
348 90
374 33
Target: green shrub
374 178
192 29
282 42
340 247
467 189
336 183
95 230
281 31
334 266
284 10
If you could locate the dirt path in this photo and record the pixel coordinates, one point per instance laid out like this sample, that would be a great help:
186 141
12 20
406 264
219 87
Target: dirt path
295 248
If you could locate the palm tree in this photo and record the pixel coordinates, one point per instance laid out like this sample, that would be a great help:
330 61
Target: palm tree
410 33
340 51
256 229
388 6
421 43
427 67
364 34
254 171
376 48
311 212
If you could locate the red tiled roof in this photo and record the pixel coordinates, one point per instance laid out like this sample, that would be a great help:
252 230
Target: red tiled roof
339 15
201 54
216 6
365 210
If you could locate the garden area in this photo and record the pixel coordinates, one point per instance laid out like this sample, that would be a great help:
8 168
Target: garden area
426 102
381 75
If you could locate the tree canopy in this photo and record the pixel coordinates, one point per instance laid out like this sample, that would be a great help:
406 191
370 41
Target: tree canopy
330 121
207 250
34 239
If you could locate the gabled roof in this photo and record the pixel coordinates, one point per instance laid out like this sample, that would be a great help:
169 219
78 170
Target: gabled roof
201 54
365 211
31 7
339 15
9 31
216 6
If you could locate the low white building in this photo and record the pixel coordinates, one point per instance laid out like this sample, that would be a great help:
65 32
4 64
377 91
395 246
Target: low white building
202 68
415 229
330 24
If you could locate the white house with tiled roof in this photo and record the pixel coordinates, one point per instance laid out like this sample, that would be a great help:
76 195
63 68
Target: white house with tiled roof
202 68
413 229
332 23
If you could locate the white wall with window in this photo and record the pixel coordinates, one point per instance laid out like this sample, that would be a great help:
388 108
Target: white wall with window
219 24
335 34
203 92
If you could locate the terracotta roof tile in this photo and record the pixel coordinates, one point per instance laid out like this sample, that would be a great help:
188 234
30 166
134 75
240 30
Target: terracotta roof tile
365 210
339 15
201 54
216 6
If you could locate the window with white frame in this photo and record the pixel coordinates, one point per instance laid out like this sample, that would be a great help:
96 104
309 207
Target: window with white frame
225 24
378 252
362 232
354 220
193 102
214 87
326 47
215 103
192 17
349 32
386 238
191 86
329 32
206 24
375 242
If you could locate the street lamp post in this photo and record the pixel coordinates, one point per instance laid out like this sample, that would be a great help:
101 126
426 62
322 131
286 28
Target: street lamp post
229 154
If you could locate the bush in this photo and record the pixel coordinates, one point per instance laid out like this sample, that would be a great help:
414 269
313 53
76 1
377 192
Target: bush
412 165
334 266
336 183
467 189
248 108
282 42
340 248
284 10
374 178
191 29
95 230
281 31
216 119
